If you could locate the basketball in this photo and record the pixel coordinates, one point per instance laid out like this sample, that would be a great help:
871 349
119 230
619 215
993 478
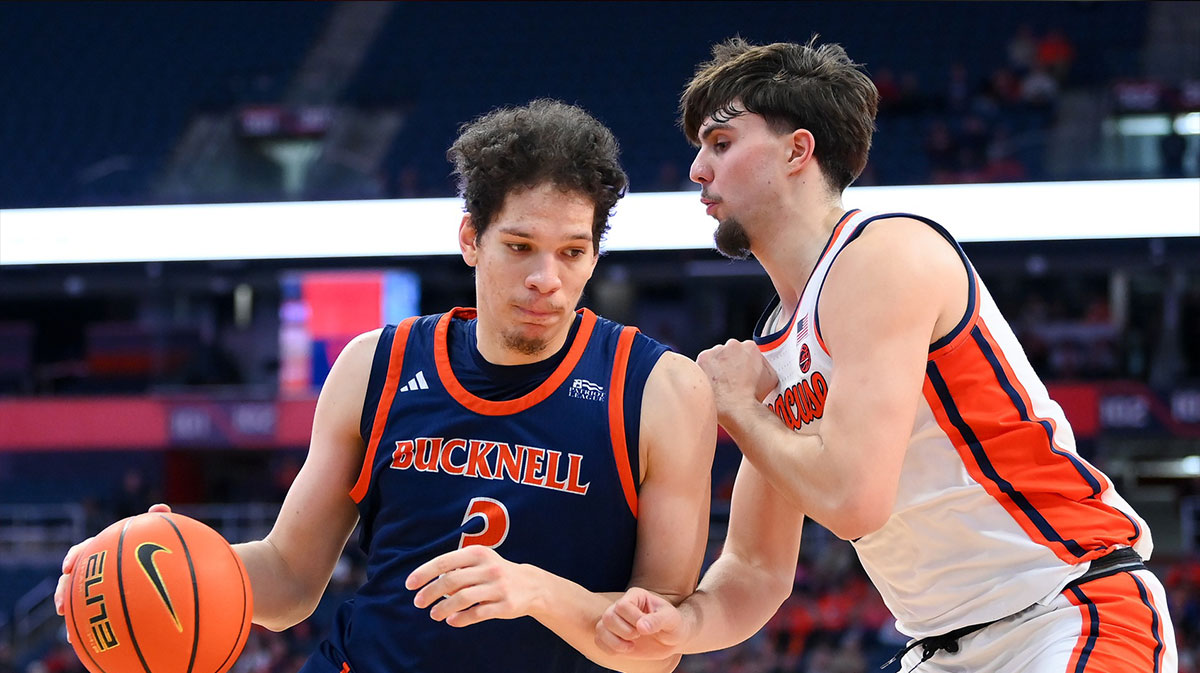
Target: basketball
157 593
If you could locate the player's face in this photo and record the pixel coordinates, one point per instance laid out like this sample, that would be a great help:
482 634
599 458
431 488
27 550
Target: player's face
740 167
531 265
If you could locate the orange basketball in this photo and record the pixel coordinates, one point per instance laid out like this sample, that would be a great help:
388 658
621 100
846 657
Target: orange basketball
158 593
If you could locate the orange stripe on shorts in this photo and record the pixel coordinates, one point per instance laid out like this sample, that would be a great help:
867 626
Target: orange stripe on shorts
1122 627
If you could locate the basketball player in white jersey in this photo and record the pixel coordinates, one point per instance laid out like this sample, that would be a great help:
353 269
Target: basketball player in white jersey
884 396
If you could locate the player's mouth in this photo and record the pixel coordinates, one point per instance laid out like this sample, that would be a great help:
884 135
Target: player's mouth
537 313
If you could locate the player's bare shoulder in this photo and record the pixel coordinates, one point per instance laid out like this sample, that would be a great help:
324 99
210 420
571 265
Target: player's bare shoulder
361 349
345 388
679 416
903 266
677 379
905 245
357 356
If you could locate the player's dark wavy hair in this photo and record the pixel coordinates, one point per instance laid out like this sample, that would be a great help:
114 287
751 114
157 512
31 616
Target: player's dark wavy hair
792 86
545 141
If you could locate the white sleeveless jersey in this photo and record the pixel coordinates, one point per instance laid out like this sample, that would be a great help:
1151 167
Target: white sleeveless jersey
995 509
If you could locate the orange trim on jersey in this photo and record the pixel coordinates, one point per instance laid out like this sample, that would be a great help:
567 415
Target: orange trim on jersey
1122 627
1024 395
506 407
965 332
820 339
816 326
837 231
783 334
616 417
1012 457
390 384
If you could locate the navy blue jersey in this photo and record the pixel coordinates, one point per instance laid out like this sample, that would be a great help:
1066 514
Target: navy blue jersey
546 475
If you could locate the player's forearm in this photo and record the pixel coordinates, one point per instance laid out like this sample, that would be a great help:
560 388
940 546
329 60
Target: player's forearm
734 600
571 612
802 468
281 599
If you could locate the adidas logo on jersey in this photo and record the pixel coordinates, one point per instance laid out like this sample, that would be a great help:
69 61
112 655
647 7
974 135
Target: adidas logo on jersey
586 390
415 383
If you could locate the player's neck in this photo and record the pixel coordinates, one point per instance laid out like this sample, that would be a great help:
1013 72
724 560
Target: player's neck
790 250
494 348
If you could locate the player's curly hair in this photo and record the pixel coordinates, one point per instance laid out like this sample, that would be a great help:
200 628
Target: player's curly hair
517 148
792 86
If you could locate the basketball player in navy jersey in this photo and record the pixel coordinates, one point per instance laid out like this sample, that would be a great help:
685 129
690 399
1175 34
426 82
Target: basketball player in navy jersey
885 396
515 466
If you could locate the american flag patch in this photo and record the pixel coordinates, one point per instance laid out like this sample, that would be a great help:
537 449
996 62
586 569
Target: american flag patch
802 328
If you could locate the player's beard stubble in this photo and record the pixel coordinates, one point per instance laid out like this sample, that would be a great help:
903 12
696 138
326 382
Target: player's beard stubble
523 344
732 240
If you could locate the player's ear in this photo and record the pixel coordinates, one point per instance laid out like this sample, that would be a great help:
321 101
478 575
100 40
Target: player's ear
467 235
801 149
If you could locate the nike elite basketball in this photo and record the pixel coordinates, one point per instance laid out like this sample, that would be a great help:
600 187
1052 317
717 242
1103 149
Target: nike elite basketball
158 593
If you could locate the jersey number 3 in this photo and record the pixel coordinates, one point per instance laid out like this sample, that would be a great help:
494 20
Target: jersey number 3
495 523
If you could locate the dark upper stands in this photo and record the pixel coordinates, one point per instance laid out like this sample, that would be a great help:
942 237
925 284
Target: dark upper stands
98 94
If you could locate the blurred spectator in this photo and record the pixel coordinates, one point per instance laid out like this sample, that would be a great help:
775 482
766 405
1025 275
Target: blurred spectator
1002 162
888 87
7 663
408 183
1039 88
973 142
911 97
958 88
941 150
669 178
1022 49
1055 53
135 496
1171 149
1004 87
62 659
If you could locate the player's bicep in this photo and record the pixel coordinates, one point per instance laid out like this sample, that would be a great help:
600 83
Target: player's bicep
678 433
878 312
318 514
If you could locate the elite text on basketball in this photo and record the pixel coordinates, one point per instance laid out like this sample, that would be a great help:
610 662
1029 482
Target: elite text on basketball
101 627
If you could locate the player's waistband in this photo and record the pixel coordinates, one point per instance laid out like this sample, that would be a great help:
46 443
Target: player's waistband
1117 561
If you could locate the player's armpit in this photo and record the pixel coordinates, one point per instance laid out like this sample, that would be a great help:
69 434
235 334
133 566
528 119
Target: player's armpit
290 569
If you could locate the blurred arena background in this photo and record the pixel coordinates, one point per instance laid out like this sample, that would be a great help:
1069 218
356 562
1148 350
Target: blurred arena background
193 382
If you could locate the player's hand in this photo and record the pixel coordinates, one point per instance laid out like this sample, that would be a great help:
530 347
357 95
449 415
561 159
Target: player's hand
473 584
642 625
738 373
68 566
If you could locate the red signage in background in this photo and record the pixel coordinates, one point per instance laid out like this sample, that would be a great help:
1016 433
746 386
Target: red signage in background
148 423
1080 403
323 310
1126 407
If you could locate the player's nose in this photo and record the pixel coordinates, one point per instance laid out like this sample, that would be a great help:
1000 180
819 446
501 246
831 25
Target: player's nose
700 172
545 277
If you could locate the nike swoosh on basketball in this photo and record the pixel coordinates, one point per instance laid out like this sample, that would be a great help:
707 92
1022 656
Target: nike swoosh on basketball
145 557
